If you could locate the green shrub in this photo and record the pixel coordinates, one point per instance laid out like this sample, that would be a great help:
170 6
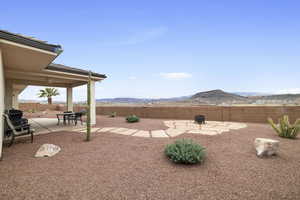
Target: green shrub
185 151
132 119
113 114
31 111
284 128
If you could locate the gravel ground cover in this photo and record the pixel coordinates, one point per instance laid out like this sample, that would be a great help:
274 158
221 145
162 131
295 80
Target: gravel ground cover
114 166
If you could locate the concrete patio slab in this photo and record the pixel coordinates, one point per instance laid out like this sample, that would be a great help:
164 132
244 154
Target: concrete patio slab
142 134
48 125
159 133
124 131
174 132
176 127
107 129
120 131
93 130
204 132
130 131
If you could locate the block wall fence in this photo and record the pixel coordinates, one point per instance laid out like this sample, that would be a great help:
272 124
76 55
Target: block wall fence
252 114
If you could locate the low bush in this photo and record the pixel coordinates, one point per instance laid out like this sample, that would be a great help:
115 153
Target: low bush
132 119
31 111
185 151
113 114
284 128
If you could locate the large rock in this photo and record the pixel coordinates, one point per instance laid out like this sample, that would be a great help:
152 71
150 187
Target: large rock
47 150
266 147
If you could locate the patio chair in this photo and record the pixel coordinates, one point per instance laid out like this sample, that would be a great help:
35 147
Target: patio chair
16 129
63 117
16 116
200 119
77 116
67 117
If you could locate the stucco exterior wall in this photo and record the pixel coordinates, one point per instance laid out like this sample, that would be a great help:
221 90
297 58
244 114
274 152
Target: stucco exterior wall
2 94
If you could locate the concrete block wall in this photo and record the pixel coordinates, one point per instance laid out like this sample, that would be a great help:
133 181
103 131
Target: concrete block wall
252 114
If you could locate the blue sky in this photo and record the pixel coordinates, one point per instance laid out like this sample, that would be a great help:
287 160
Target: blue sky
169 48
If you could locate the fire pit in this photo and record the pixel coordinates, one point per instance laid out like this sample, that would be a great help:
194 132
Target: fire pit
200 119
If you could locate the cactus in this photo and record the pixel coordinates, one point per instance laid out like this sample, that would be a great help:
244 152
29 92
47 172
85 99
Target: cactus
284 128
88 121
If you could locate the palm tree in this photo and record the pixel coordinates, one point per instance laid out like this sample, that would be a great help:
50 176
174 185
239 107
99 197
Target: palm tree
49 93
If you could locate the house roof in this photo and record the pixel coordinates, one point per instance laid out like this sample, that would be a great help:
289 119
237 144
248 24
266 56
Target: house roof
67 69
30 41
57 49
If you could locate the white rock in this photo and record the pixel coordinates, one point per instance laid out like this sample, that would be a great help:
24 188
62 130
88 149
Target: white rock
266 147
47 150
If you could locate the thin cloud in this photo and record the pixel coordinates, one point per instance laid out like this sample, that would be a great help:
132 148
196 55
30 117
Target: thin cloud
140 37
132 78
289 91
175 75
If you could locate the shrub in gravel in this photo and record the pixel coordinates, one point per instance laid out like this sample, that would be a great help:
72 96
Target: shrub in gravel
113 114
284 128
185 151
132 119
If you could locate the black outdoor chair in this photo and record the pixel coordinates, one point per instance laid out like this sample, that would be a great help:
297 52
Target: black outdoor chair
67 117
16 126
77 117
200 119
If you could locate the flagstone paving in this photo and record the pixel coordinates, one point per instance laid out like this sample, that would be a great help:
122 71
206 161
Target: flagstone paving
175 128
159 133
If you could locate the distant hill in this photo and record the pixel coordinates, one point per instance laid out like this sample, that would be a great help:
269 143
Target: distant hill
277 99
218 97
251 94
214 97
140 100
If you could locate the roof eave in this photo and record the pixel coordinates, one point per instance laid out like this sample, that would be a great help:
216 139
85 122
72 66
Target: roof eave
55 68
30 42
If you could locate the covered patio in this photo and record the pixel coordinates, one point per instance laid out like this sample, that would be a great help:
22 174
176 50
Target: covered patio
27 61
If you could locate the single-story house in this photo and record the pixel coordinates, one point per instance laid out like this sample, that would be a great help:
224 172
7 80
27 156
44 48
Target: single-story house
27 61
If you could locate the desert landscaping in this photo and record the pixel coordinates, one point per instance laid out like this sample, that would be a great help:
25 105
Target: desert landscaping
117 165
150 100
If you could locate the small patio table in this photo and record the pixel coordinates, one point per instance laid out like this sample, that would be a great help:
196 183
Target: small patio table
65 116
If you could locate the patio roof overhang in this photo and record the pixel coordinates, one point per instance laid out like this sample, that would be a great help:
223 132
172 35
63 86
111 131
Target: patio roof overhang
28 61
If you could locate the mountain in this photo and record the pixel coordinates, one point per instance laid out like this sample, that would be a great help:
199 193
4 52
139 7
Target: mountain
251 94
218 97
140 100
277 99
213 97
209 97
124 100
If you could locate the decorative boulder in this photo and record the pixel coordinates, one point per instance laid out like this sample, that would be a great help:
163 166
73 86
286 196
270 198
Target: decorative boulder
266 147
47 150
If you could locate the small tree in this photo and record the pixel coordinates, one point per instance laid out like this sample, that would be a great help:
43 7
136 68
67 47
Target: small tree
88 121
49 93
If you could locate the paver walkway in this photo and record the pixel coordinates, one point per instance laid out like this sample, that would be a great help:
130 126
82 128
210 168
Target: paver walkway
175 128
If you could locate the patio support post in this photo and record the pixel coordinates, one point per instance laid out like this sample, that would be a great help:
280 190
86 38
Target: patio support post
8 94
15 103
93 103
69 99
2 105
